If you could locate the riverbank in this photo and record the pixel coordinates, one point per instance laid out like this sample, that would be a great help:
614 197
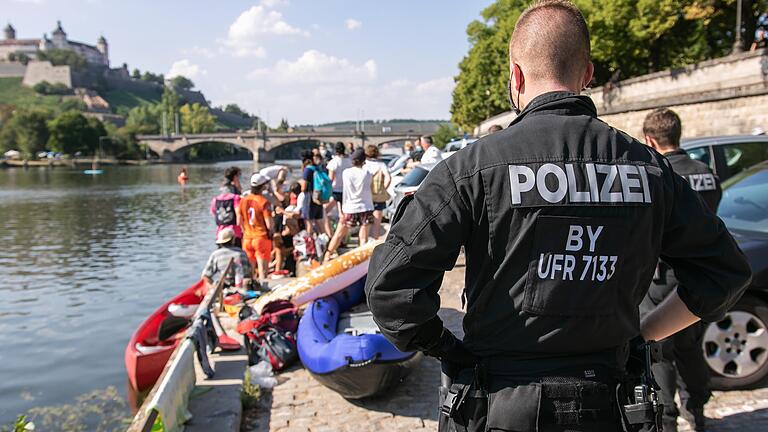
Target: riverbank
72 163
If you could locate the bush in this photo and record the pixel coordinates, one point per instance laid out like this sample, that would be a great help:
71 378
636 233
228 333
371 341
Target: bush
46 88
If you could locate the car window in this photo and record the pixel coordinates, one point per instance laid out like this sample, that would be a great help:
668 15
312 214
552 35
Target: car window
415 177
745 202
702 154
741 156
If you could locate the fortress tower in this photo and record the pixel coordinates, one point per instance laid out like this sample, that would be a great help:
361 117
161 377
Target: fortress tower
10 32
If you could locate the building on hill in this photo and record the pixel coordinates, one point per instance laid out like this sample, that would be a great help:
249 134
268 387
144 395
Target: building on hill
93 54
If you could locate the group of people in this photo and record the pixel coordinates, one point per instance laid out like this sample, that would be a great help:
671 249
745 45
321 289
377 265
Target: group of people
255 228
348 189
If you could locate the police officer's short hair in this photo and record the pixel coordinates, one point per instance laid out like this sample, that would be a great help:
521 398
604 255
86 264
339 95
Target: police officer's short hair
663 125
551 40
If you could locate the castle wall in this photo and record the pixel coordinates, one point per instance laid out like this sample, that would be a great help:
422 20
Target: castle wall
39 71
717 97
723 96
15 70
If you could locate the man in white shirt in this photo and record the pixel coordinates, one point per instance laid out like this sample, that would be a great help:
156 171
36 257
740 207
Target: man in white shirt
380 181
358 203
431 154
336 167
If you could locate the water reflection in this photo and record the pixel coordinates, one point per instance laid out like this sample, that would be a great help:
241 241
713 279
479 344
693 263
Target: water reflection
84 260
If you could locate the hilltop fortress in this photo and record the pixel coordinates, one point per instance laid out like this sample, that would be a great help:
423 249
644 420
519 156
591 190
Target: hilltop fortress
11 46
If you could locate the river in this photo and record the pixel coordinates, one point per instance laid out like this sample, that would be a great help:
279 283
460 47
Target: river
84 259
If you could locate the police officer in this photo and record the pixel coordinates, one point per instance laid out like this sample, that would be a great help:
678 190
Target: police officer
562 219
682 352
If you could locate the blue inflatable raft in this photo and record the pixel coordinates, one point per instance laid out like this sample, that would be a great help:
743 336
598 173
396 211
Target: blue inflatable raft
340 345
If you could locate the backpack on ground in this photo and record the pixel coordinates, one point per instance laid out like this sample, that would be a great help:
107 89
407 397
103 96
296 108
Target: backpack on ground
225 211
379 192
322 186
271 336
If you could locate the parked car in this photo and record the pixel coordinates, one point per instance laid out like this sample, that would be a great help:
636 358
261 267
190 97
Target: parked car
407 185
736 348
728 155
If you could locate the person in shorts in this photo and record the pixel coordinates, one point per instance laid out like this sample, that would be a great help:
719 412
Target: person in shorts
256 218
336 167
380 180
311 212
357 206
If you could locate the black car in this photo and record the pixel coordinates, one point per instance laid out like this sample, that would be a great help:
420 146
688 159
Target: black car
736 348
728 155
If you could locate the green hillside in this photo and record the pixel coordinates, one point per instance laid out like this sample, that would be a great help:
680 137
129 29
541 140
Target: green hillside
121 101
12 92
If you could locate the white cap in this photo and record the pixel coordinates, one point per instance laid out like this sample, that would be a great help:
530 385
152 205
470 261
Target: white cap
258 179
225 236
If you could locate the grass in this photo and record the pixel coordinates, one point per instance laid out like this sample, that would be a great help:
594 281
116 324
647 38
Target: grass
251 392
122 101
12 92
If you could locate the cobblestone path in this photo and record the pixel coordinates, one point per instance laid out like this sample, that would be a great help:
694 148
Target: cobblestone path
299 403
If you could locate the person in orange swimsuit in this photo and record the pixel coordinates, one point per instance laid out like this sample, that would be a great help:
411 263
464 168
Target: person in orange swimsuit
256 219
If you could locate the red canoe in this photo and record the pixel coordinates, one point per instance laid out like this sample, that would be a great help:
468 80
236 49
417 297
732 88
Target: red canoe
146 355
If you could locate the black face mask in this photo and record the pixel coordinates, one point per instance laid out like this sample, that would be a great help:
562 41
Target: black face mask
512 103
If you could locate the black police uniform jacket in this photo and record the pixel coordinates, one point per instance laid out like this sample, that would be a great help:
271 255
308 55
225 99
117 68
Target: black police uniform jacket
701 179
562 218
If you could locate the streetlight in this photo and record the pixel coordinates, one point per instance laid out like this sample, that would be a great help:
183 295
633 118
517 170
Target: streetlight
738 44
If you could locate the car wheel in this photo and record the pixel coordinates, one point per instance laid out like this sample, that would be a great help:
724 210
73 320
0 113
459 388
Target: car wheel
736 347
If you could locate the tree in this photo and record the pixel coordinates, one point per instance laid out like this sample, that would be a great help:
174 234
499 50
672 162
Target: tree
182 83
155 78
136 74
20 57
169 108
71 132
628 37
46 88
196 118
145 119
444 134
26 130
235 109
284 126
63 57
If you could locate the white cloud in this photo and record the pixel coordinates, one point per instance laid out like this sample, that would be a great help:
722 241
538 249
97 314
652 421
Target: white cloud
353 24
186 68
315 67
436 86
245 35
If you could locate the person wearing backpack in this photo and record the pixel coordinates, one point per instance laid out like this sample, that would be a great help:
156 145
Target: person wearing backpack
316 186
379 183
357 203
224 205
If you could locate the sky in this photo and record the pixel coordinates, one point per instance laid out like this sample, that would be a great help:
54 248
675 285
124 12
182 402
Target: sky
310 61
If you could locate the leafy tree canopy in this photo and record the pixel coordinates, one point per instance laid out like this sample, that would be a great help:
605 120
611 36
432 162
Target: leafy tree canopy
25 130
182 83
63 57
629 38
196 118
444 134
71 132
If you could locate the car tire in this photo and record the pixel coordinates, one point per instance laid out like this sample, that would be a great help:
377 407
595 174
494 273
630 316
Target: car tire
736 347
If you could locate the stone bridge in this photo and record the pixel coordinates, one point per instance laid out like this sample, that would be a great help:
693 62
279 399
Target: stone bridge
261 144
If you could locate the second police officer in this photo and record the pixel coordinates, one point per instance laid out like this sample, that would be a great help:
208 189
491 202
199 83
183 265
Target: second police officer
682 352
562 219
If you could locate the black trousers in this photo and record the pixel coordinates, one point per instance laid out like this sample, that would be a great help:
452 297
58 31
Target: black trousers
684 370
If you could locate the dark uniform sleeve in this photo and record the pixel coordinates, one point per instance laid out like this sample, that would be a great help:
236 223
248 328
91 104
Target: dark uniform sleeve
407 270
712 271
